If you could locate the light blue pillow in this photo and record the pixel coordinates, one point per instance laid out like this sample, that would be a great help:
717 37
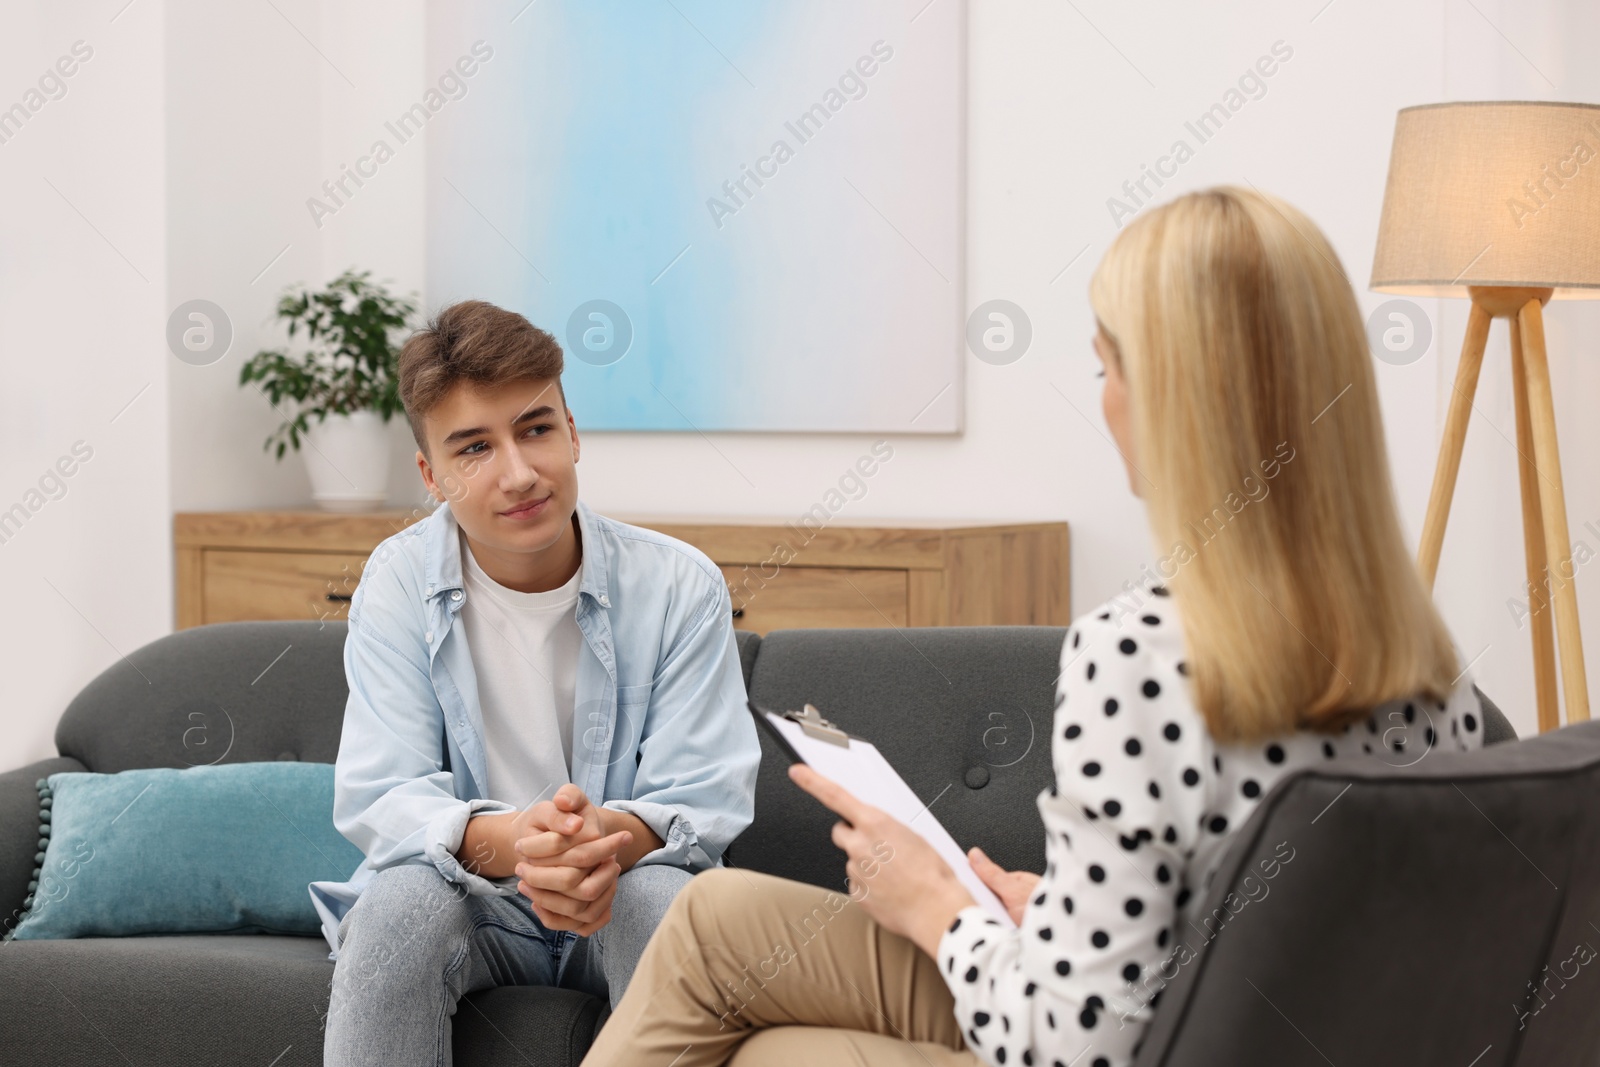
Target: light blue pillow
223 849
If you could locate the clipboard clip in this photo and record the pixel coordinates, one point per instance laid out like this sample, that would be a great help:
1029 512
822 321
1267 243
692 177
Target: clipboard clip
814 725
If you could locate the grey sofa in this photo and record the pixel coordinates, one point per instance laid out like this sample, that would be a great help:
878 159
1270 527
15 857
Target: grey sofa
965 714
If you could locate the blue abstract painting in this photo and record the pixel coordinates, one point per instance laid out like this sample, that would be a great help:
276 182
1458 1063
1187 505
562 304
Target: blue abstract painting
734 216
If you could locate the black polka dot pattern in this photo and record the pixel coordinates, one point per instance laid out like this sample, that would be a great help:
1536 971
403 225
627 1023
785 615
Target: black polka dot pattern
1142 809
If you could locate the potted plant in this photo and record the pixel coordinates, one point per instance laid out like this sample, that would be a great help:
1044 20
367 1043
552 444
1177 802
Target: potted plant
345 378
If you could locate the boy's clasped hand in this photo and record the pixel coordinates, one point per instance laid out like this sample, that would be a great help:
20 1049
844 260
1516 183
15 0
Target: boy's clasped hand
567 864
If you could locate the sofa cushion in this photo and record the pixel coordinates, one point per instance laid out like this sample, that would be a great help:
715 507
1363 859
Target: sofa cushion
242 998
749 645
235 691
963 713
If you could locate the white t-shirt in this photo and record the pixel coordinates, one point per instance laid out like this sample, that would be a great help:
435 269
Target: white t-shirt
524 649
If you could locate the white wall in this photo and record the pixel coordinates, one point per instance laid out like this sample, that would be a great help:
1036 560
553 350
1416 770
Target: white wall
1066 103
267 101
82 310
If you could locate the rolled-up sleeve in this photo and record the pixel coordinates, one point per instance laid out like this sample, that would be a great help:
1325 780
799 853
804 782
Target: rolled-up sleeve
698 753
393 797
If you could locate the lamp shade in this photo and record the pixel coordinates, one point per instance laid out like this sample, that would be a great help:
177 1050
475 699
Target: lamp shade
1493 193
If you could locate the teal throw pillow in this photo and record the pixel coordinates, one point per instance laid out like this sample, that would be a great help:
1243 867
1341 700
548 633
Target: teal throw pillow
221 849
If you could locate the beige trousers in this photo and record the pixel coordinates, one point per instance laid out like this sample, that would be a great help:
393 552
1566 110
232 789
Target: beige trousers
751 969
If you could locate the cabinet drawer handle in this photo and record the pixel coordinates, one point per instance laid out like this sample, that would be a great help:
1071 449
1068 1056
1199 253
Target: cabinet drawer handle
341 597
738 613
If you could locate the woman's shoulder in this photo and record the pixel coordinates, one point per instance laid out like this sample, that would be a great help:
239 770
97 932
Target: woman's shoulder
1124 683
1139 626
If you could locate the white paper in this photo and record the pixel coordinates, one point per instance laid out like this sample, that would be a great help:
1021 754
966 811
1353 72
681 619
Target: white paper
863 771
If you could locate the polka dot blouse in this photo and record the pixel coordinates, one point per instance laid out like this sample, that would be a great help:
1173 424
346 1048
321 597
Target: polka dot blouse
1143 806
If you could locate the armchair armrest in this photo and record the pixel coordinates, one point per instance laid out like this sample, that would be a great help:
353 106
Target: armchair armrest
19 831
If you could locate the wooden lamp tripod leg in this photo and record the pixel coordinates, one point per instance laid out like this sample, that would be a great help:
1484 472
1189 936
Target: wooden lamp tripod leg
1455 435
1553 504
1539 602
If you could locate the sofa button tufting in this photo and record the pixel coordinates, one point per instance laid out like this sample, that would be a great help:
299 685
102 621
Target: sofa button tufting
977 777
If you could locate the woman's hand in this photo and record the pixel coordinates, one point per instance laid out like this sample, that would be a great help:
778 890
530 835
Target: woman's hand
1012 887
894 874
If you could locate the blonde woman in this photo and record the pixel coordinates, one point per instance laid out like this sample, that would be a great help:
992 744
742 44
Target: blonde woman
1292 628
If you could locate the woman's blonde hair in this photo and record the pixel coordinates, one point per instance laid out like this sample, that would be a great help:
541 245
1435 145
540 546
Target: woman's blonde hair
1255 422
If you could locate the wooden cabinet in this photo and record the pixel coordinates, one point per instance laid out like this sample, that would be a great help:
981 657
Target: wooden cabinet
820 596
306 564
238 565
903 574
244 584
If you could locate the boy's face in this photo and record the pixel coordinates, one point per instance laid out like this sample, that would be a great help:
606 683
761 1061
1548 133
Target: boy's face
506 460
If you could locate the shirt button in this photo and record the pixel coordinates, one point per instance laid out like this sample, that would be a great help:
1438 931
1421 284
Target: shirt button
605 601
428 636
456 595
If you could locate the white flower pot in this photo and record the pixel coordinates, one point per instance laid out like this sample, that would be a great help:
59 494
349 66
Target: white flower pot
347 457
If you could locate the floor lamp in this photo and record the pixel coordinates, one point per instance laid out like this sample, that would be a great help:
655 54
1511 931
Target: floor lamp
1500 202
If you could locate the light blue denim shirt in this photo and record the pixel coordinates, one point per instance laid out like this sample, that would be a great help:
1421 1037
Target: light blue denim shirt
660 727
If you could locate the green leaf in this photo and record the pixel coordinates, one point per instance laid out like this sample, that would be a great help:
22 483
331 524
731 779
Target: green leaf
363 342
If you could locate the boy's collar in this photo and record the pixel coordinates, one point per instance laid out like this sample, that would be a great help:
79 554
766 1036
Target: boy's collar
442 555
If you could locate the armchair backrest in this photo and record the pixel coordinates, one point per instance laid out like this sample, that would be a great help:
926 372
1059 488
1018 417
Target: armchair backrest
1444 913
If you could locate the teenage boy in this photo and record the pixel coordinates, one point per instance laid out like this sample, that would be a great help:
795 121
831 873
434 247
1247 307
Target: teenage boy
546 733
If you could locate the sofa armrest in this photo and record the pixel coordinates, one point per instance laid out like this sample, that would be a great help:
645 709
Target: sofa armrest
19 831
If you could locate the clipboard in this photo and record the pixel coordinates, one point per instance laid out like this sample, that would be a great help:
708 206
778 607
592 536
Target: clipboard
856 764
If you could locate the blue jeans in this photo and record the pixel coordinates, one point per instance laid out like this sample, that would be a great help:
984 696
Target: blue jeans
414 944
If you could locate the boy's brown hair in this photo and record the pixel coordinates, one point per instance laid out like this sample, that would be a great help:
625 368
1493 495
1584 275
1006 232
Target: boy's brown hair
475 342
